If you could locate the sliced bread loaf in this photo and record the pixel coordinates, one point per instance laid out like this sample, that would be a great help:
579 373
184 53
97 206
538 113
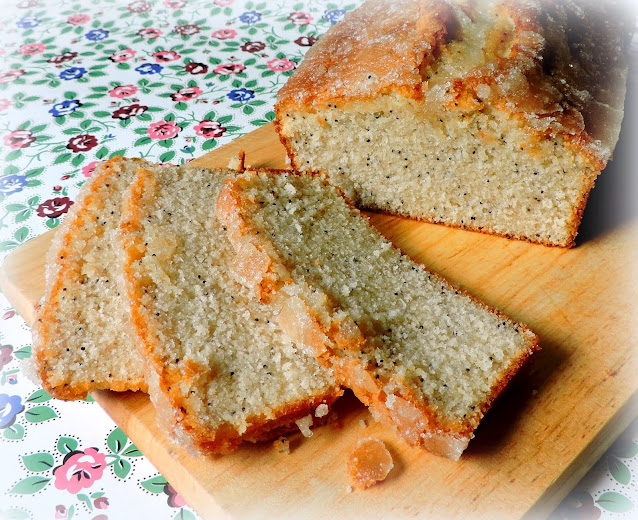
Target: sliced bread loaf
80 339
423 355
495 116
221 371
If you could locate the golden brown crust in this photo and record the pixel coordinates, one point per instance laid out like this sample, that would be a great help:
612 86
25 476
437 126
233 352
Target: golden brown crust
556 67
367 382
59 271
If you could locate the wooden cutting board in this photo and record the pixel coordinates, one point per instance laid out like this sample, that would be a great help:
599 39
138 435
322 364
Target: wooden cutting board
532 448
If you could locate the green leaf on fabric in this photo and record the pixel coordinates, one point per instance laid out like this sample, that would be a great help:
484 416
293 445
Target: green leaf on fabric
29 485
39 414
615 502
38 462
66 445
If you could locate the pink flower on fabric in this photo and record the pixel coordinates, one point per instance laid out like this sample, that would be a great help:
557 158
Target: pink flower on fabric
280 65
123 91
149 33
224 34
11 75
300 18
29 49
186 94
123 55
164 56
163 130
19 139
79 470
174 4
101 503
78 19
174 498
4 104
209 129
88 170
223 3
229 68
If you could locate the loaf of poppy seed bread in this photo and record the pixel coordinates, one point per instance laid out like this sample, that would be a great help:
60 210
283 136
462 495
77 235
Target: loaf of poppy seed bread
220 370
80 339
424 356
490 115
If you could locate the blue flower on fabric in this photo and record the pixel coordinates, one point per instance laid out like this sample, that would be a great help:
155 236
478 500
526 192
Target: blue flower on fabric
11 184
10 407
28 22
334 15
241 94
97 35
72 73
66 107
149 68
250 17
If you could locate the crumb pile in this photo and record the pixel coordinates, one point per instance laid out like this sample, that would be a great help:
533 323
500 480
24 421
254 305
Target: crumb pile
494 116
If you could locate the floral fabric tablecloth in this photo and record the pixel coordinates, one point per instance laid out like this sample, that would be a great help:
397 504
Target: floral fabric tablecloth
168 81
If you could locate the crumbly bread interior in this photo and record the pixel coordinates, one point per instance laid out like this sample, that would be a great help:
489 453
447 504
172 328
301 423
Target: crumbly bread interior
223 367
80 338
405 340
476 172
491 115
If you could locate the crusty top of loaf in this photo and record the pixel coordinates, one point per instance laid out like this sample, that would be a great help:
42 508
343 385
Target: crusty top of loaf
557 65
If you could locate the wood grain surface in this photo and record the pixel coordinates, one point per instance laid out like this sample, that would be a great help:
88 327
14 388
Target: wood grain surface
541 437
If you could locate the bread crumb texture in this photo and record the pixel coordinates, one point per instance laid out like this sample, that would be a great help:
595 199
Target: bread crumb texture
224 367
418 351
80 335
495 116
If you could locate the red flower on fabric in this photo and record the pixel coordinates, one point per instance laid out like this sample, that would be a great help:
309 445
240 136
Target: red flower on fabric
174 4
186 94
123 55
139 6
253 47
174 498
280 65
82 143
29 49
129 111
5 355
306 41
53 208
11 75
79 470
209 129
123 91
188 29
229 68
149 33
61 58
19 139
78 19
300 18
224 34
163 130
164 56
196 68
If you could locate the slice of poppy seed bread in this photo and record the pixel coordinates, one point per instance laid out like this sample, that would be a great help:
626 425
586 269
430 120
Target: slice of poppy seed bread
489 115
221 371
80 339
424 356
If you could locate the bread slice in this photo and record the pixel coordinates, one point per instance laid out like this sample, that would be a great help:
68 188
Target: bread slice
420 353
495 116
221 371
80 339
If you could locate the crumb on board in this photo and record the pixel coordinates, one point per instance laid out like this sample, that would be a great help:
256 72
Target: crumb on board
362 423
369 463
282 445
304 425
